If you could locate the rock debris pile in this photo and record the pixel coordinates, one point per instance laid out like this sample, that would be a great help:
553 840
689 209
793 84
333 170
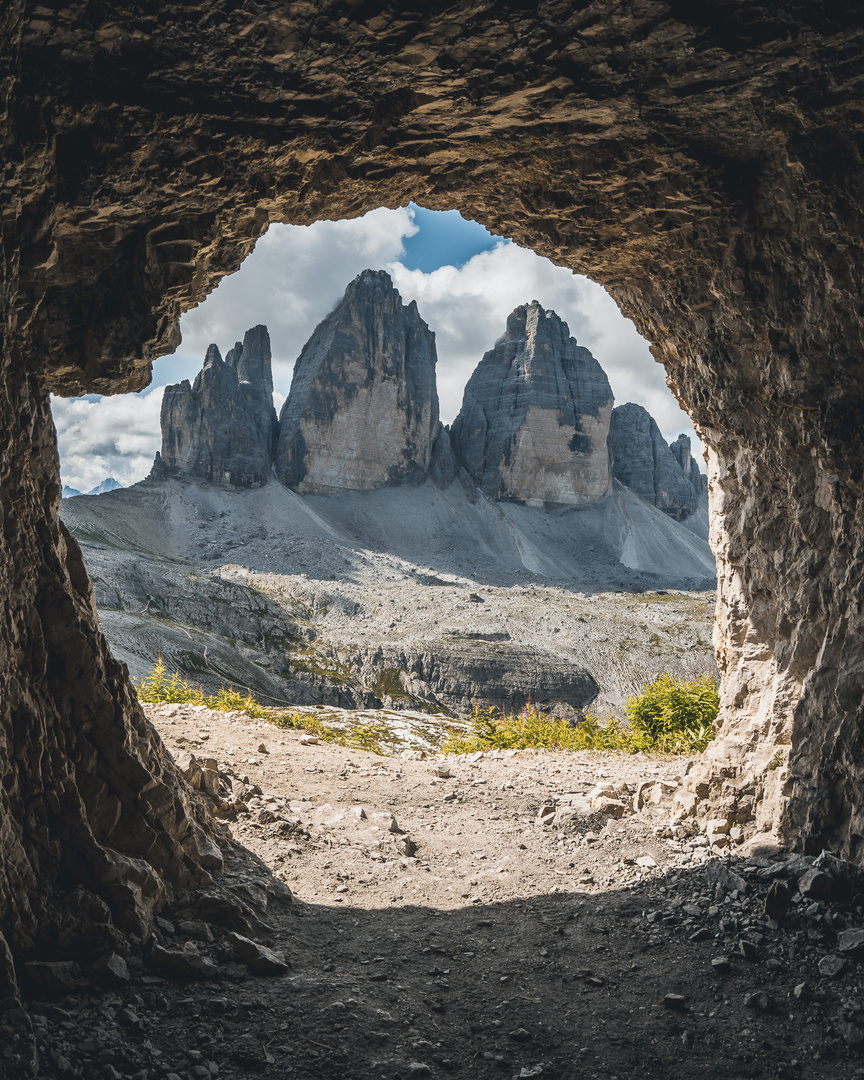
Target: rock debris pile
501 914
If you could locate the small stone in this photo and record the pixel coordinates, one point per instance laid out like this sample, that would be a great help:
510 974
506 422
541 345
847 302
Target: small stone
110 971
164 925
646 861
259 958
183 964
757 1000
815 884
196 929
831 966
722 965
852 1034
676 1002
545 814
52 978
520 1035
778 900
851 942
801 991
309 740
702 934
443 771
406 846
528 1071
603 804
419 1068
748 950
262 749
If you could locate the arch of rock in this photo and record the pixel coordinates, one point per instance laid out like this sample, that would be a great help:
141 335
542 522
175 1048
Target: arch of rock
707 173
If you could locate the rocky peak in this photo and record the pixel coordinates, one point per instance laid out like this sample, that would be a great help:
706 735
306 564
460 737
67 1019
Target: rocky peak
664 475
222 428
362 412
535 415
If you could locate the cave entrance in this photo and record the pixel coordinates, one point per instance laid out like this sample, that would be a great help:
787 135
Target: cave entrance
704 169
582 498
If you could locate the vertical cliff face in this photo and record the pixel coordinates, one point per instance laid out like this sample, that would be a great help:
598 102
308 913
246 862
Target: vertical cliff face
222 428
535 416
363 408
664 475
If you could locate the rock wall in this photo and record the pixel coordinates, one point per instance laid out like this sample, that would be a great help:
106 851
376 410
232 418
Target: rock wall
535 416
703 164
666 476
223 427
362 412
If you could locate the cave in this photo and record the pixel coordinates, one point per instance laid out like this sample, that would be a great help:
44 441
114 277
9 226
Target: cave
705 168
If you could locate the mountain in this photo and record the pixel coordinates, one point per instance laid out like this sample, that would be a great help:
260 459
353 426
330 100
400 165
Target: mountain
535 416
108 484
223 427
666 476
362 412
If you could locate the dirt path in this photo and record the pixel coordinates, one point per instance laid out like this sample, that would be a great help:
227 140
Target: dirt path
500 946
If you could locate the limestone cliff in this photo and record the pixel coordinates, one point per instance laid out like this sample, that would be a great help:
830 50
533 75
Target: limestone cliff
666 476
535 416
222 428
362 412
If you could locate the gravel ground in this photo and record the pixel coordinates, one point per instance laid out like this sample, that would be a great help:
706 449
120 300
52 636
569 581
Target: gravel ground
484 923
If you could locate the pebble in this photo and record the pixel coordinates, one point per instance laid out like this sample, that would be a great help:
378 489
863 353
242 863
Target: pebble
831 966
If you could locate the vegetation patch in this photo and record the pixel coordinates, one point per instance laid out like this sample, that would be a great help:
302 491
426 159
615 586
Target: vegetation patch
161 688
673 716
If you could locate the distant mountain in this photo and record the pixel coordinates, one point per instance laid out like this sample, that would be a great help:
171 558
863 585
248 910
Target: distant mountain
108 484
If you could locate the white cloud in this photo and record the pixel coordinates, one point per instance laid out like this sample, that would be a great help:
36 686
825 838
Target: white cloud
296 275
114 436
293 278
468 308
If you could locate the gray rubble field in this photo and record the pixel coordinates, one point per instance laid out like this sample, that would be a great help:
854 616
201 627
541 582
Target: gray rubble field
407 597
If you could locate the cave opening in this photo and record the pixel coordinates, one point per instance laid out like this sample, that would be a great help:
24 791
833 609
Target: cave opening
710 180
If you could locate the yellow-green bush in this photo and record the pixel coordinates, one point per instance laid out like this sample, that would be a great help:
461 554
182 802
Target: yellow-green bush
674 715
533 729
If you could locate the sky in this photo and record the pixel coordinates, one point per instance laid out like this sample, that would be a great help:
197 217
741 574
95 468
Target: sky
465 281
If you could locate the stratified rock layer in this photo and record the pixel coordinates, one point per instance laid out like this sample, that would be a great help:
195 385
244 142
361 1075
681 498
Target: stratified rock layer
222 428
535 416
642 460
362 412
703 163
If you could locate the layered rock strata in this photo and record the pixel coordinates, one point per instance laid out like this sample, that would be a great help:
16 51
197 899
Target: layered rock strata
704 167
222 428
535 416
666 476
362 412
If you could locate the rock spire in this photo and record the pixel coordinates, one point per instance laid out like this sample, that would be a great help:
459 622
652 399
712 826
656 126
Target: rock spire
362 412
222 428
535 416
664 475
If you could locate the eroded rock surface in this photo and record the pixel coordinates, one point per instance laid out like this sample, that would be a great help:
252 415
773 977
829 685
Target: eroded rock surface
223 427
535 416
702 163
362 412
664 475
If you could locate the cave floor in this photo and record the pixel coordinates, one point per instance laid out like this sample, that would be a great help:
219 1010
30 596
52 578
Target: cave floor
503 947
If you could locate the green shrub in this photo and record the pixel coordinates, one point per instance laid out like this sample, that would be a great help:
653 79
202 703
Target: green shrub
675 715
533 729
159 687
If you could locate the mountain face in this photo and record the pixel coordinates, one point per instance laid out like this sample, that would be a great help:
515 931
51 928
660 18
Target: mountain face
362 412
222 428
108 484
664 475
535 416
